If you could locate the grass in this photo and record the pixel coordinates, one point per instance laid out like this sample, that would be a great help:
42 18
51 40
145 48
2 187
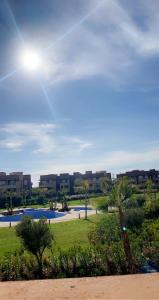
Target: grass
98 201
94 201
8 241
67 234
75 202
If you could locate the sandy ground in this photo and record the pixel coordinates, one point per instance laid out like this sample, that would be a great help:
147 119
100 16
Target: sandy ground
72 215
138 287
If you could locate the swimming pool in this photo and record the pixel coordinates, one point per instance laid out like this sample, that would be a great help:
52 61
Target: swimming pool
81 208
33 213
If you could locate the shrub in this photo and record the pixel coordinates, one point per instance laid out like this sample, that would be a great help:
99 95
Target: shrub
18 266
106 231
10 267
135 201
75 262
152 207
36 237
134 218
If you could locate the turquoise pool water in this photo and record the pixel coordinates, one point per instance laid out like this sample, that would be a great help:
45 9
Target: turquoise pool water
33 213
81 208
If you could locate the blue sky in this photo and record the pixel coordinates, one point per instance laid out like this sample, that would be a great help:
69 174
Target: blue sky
94 102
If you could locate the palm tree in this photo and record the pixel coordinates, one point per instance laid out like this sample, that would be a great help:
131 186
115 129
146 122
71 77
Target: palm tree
150 190
120 194
36 237
42 191
51 194
25 195
105 185
3 198
82 186
9 203
62 198
151 200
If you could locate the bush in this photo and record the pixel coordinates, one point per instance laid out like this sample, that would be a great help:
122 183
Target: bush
135 201
150 233
134 218
75 262
106 231
18 266
10 267
36 237
152 207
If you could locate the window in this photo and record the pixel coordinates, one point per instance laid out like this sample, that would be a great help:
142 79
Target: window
11 182
2 182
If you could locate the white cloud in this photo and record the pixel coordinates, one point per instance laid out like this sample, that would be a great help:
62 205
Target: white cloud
108 43
82 145
41 138
133 159
20 135
13 145
115 162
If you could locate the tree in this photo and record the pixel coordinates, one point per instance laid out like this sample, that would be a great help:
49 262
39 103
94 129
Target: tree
36 237
51 195
120 194
151 201
150 189
134 218
3 198
41 199
82 186
106 231
25 195
62 198
105 185
105 237
9 203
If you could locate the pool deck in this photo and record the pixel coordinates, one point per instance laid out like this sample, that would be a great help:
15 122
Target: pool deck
72 215
125 287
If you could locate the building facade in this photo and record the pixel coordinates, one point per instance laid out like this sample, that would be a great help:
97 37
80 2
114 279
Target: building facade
15 182
140 177
67 183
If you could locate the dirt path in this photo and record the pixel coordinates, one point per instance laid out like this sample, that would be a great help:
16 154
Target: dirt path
137 287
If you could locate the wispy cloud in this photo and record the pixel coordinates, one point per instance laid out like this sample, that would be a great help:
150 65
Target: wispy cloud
20 135
131 159
39 138
82 145
109 43
115 162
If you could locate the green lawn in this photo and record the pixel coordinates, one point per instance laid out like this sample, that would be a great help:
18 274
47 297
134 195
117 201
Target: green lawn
8 240
67 234
97 201
75 202
94 201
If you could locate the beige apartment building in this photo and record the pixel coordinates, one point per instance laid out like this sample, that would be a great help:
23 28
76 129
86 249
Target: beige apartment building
67 182
140 177
15 182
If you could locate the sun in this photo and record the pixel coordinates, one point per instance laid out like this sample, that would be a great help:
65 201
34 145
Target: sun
31 60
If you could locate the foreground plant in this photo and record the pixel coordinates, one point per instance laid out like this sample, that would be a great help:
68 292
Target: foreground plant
36 237
120 194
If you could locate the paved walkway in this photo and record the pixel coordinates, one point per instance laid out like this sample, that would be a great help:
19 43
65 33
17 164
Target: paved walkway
72 215
126 287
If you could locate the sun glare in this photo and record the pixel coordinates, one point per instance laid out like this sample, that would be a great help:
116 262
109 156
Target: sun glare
31 60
